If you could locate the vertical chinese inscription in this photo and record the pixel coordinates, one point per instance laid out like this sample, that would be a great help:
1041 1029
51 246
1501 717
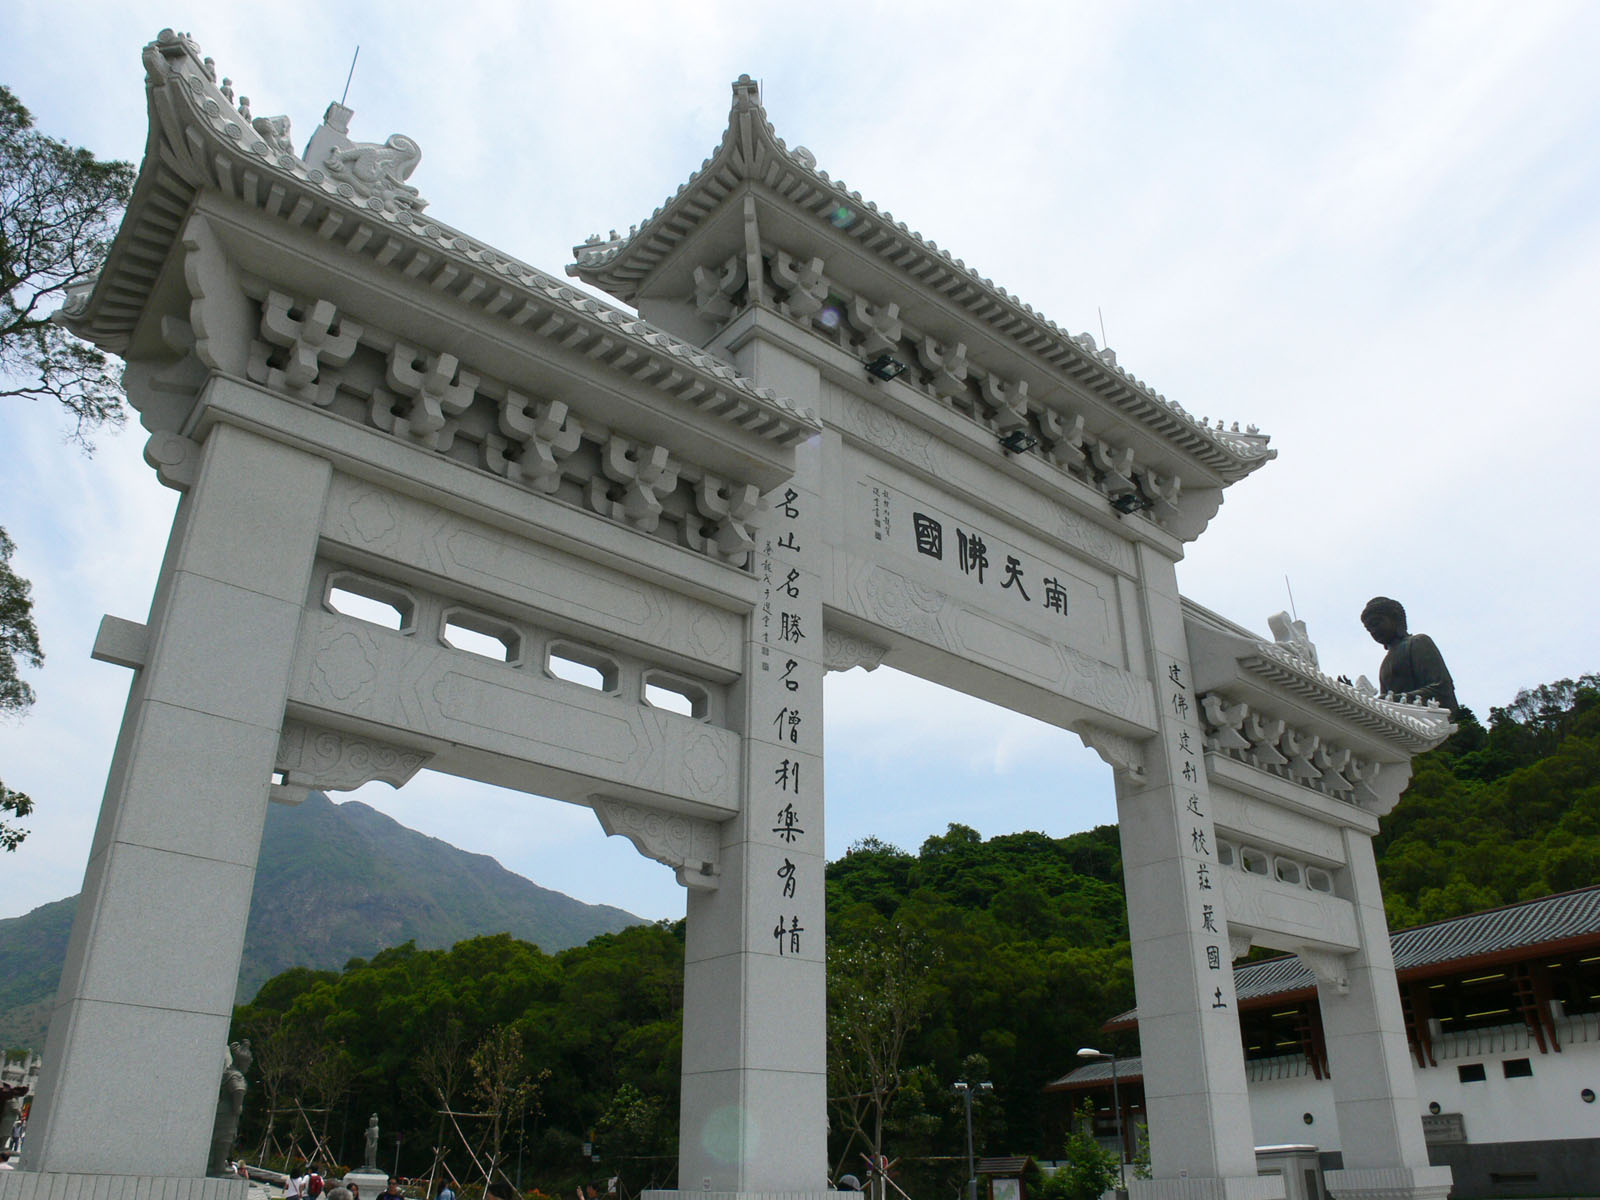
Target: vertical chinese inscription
1198 840
786 699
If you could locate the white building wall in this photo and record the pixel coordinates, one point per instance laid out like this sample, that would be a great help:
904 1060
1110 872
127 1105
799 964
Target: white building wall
1548 1105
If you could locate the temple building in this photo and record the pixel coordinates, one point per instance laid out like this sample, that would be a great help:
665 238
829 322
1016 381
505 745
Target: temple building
1502 1013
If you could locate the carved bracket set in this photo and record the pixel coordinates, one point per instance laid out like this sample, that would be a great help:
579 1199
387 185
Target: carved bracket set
311 757
312 353
1272 745
801 291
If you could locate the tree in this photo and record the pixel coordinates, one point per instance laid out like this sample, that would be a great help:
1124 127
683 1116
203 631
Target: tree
18 639
877 994
1089 1170
58 211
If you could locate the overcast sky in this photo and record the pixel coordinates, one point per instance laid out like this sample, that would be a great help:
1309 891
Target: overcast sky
1371 229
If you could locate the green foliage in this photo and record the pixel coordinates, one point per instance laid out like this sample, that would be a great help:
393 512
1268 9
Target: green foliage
542 1043
19 639
1499 814
1026 940
1088 1169
58 210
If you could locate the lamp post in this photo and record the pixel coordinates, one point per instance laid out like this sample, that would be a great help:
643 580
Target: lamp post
1116 1103
965 1091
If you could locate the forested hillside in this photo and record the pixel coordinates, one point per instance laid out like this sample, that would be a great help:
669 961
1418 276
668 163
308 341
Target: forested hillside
969 959
1499 813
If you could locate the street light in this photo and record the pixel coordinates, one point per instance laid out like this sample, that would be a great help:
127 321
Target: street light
965 1091
1116 1103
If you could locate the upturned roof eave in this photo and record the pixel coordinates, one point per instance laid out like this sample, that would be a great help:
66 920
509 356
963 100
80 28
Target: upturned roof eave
1408 728
190 120
750 151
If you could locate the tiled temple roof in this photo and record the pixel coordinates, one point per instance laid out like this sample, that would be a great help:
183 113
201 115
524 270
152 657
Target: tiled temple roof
751 151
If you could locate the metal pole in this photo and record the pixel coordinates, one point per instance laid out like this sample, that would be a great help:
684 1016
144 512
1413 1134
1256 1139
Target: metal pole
1122 1147
972 1175
396 1171
522 1127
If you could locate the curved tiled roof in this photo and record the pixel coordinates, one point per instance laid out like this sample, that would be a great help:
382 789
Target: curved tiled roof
1422 949
751 150
198 140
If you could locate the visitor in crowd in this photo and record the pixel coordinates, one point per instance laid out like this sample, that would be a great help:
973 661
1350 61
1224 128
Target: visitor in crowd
393 1190
339 1192
294 1186
354 1189
313 1186
446 1192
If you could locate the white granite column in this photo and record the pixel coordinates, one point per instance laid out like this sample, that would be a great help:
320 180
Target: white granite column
1374 1086
754 1047
135 1051
1199 1113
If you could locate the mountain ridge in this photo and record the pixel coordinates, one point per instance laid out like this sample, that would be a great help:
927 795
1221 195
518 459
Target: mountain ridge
333 882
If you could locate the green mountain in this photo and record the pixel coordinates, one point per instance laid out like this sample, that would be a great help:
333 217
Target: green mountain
334 882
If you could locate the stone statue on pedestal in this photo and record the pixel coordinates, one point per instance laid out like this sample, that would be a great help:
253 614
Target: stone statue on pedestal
230 1106
1413 667
370 1162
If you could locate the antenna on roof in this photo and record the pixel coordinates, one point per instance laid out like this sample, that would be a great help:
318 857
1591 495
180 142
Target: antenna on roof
1290 590
350 76
1101 311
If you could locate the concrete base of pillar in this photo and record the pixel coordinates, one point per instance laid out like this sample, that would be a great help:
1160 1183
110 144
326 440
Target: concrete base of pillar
1389 1183
1233 1187
371 1183
52 1185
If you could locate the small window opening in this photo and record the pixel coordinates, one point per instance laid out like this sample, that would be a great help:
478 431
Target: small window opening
1253 860
1225 854
1471 1073
663 697
1517 1068
682 696
1287 871
366 608
278 778
1319 880
480 636
574 671
580 665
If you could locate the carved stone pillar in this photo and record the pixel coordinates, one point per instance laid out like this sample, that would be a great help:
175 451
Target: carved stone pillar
1199 1112
1374 1085
129 1086
754 1025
